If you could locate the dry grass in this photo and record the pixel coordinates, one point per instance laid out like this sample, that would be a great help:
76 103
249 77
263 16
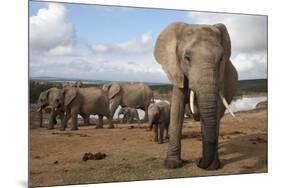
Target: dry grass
56 157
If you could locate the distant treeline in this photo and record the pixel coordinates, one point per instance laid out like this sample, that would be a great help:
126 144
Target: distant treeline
244 87
252 86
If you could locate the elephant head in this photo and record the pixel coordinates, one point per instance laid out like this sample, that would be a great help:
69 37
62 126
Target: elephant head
195 59
78 84
66 96
42 101
47 101
112 88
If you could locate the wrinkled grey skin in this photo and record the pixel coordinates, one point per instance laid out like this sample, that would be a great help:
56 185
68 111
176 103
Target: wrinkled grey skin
159 120
197 57
135 95
44 100
47 100
86 101
129 114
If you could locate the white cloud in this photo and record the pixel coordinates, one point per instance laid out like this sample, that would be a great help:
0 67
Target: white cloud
248 32
248 35
100 48
140 46
251 65
61 50
50 31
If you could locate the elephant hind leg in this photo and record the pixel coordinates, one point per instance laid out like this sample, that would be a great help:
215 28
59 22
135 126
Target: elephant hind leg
167 133
161 131
86 119
155 132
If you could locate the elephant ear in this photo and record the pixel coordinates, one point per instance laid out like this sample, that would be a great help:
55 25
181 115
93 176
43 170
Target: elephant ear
226 45
69 94
78 84
165 52
114 90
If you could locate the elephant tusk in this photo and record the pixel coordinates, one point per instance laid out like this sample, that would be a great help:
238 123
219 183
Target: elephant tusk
39 109
226 105
191 101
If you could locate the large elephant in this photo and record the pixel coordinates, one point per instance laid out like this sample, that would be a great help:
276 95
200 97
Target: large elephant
45 102
129 114
159 119
134 95
86 101
196 59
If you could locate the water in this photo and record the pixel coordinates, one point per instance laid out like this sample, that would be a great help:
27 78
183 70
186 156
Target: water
246 103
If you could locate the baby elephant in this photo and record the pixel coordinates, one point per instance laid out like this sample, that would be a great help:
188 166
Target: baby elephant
129 114
159 118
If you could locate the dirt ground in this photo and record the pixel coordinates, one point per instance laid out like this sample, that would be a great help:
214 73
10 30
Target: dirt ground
55 157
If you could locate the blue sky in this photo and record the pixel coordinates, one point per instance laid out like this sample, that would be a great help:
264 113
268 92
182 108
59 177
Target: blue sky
116 43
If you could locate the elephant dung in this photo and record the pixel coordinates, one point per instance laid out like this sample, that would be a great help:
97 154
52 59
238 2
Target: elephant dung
96 156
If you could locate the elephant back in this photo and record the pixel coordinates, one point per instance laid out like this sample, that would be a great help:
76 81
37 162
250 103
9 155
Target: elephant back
136 95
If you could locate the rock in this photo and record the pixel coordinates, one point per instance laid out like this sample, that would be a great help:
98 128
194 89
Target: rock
261 105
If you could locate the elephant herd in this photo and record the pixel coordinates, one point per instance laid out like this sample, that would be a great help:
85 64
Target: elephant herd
196 59
71 100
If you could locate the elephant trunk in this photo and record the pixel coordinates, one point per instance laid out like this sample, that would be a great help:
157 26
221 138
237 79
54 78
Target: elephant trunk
208 97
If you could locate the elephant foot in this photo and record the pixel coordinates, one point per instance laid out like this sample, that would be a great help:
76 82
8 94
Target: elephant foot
160 141
216 164
99 127
111 127
173 163
155 139
50 128
74 129
62 129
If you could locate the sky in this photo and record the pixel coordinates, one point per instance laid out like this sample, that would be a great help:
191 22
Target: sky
116 43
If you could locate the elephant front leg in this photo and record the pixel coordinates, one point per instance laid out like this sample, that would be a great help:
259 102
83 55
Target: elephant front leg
173 159
145 119
74 121
111 126
52 118
100 122
41 118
